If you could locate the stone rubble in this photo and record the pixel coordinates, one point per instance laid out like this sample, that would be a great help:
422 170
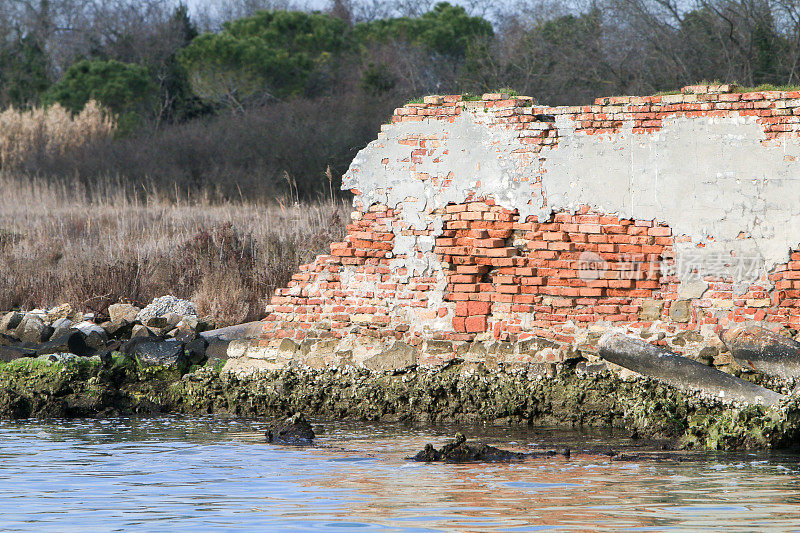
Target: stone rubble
165 333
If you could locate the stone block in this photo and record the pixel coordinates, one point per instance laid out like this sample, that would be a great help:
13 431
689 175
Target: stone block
397 357
680 311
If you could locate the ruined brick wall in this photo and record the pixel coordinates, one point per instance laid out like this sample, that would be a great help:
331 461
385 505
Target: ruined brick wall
507 231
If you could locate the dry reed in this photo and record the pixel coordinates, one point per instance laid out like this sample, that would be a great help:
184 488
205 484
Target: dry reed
60 242
51 131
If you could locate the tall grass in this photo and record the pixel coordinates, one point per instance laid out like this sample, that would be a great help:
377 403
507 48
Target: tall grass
61 242
50 132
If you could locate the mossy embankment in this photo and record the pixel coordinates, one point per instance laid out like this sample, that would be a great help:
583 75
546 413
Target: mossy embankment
459 393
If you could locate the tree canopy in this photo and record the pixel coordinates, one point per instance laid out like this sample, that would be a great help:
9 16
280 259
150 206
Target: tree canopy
270 54
446 29
122 87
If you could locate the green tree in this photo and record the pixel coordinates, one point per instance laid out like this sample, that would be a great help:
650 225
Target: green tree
23 71
175 96
544 58
446 30
126 89
768 48
271 54
377 79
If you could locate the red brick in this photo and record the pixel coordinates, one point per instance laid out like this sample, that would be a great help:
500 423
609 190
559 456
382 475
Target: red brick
490 243
463 278
478 308
472 269
554 236
496 252
475 324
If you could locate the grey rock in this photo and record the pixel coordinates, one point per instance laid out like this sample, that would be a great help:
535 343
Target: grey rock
762 350
217 349
196 350
141 331
73 342
57 357
33 329
130 345
238 348
119 328
585 368
249 330
173 319
61 326
87 328
10 321
681 372
185 336
59 332
294 431
189 323
169 353
165 305
95 341
10 353
120 312
158 322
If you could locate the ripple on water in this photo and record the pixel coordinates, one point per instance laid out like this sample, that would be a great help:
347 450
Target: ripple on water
210 474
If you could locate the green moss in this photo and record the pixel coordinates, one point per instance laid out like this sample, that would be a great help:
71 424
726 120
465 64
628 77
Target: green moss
715 81
766 87
31 366
507 90
215 364
419 100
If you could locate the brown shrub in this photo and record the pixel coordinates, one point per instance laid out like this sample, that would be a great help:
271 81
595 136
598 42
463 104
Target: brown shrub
226 296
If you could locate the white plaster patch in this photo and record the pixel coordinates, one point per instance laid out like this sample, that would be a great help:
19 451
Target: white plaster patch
710 178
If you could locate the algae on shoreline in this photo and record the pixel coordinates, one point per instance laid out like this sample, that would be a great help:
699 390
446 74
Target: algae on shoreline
464 393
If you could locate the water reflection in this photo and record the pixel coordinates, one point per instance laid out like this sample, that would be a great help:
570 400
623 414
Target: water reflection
198 474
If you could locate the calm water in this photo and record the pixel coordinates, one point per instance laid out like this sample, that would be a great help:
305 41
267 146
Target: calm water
208 474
